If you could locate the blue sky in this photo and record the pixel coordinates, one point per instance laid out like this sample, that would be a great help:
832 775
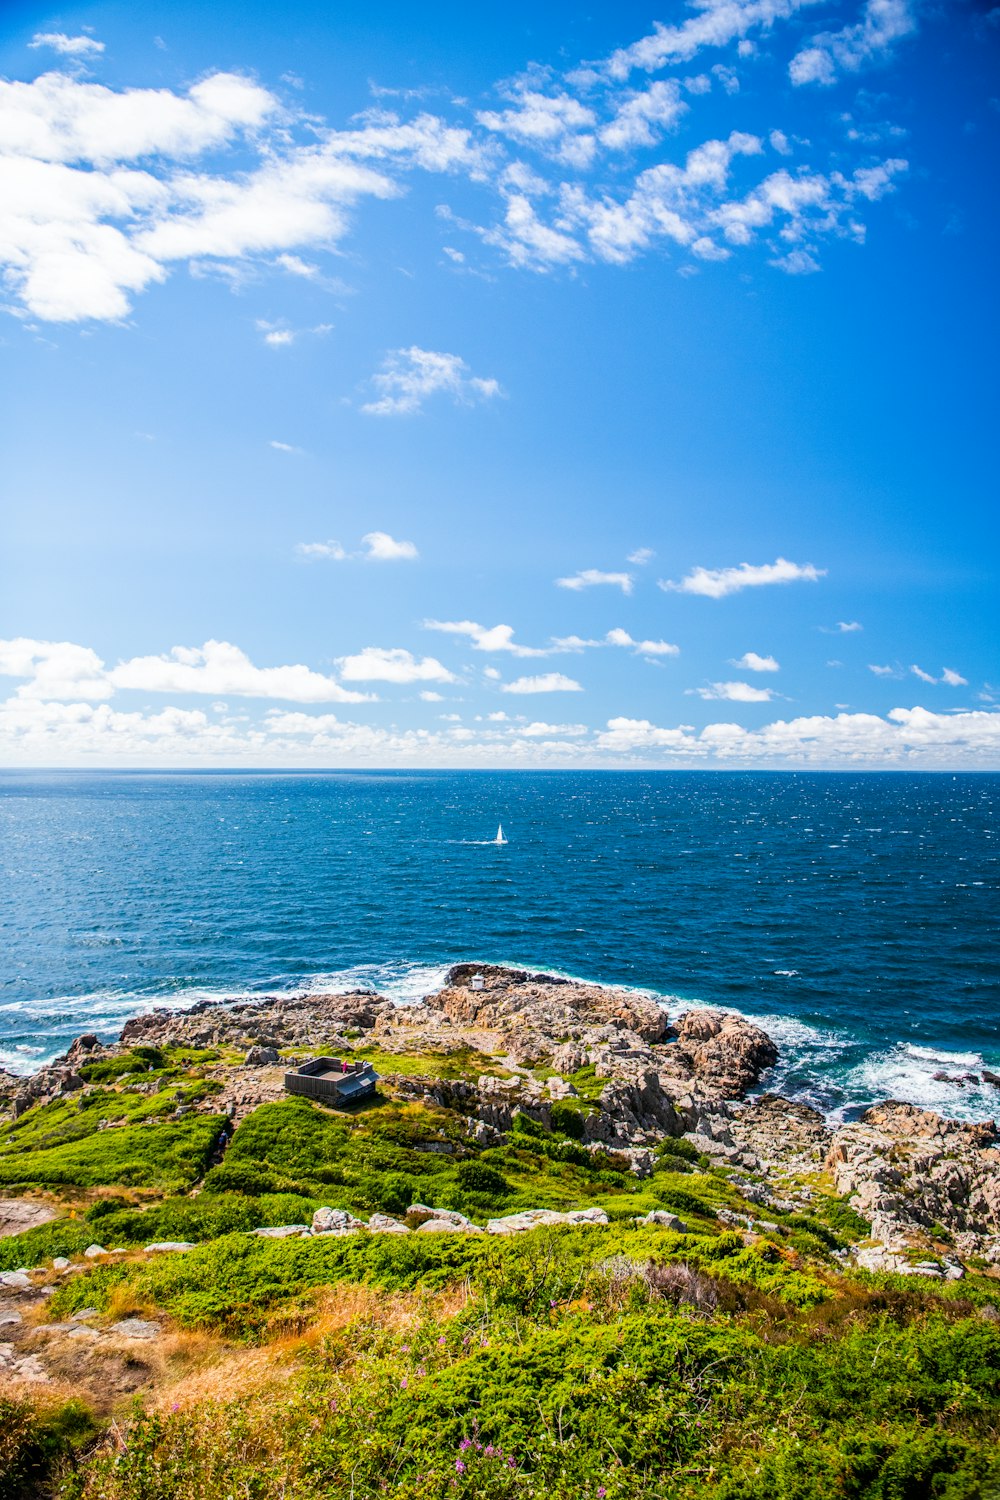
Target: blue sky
438 388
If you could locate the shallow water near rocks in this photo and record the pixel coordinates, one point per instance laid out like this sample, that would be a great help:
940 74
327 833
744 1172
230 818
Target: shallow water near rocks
855 916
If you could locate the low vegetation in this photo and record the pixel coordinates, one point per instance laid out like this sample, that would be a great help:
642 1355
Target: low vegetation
619 1362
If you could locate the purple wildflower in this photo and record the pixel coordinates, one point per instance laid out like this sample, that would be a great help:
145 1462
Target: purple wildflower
459 1466
403 1383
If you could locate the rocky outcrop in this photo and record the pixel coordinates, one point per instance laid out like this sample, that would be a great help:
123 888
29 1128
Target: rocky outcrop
274 1021
724 1051
920 1178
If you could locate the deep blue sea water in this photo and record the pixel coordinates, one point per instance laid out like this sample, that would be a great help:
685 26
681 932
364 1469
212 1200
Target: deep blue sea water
856 915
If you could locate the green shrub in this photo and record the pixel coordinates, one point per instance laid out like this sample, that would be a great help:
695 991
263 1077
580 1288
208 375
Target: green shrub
34 1440
567 1120
677 1146
58 1237
474 1177
524 1125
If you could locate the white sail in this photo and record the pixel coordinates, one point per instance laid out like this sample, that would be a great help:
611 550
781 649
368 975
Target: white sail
499 838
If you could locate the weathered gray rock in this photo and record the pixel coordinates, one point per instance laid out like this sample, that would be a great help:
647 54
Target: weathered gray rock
93 1251
280 1232
15 1281
664 1220
724 1050
446 1226
166 1247
135 1328
259 1057
385 1224
60 1263
20 1214
335 1221
535 1218
423 1214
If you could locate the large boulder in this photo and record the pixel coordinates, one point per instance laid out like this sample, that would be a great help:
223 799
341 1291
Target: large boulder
726 1052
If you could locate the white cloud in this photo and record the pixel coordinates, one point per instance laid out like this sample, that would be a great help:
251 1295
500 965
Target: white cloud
716 24
948 678
641 556
540 730
102 190
381 547
223 670
751 662
589 578
883 23
882 671
283 447
69 46
35 732
410 377
483 638
55 669
328 551
716 583
548 682
555 123
380 664
736 692
429 696
62 670
619 637
848 627
641 118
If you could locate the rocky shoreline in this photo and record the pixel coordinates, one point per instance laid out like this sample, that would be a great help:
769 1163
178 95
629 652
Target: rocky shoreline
929 1187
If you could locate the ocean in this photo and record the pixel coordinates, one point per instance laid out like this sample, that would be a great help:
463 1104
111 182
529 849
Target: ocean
855 916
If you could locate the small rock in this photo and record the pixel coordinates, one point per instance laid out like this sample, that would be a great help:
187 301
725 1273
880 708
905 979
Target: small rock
135 1328
93 1251
280 1232
15 1281
665 1220
334 1221
60 1263
445 1226
262 1056
13 1316
441 1215
163 1247
83 1314
384 1224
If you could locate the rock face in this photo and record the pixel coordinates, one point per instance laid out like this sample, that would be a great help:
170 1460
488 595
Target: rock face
908 1171
20 1214
724 1051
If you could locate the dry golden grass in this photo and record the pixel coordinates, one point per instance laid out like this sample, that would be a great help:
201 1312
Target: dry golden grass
199 1367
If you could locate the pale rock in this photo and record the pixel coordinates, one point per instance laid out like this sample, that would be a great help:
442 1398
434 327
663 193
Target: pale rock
135 1328
385 1224
333 1220
665 1220
166 1247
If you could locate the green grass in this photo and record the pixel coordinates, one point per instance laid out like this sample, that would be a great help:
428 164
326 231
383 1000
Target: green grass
169 1156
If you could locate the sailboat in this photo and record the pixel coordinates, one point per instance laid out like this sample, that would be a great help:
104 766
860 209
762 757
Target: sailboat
500 835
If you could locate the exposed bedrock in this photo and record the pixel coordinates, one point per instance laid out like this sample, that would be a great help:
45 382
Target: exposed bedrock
919 1179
